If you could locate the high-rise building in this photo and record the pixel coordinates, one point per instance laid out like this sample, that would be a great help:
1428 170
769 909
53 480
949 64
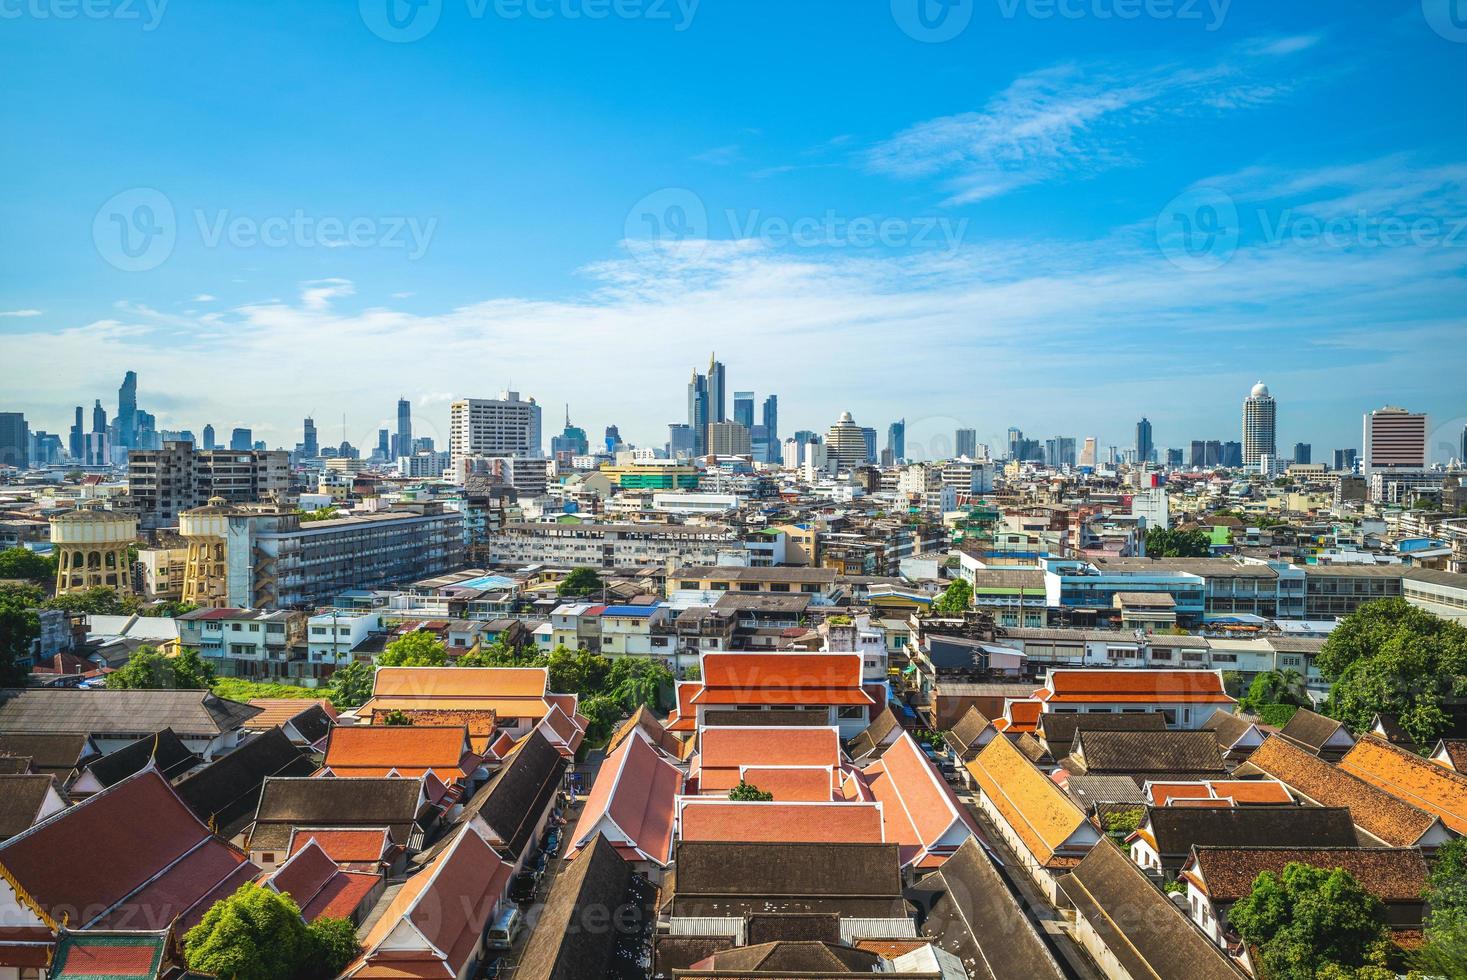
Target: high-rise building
384 445
771 423
1303 453
310 445
1060 451
78 443
680 440
1260 420
1230 455
1087 453
209 442
1144 445
572 441
1462 457
1344 459
1395 441
743 408
127 410
869 435
845 443
698 411
717 406
965 443
503 426
241 440
99 417
402 441
896 440
613 438
728 439
162 483
15 440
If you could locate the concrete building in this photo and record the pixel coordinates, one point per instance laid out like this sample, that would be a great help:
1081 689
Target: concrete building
503 426
163 483
728 439
249 643
1260 419
14 440
609 545
91 548
1394 442
845 444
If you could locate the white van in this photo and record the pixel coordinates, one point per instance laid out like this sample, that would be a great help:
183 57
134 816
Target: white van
506 927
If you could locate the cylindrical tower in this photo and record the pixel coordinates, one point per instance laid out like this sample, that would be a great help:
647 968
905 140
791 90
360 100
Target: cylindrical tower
205 580
91 550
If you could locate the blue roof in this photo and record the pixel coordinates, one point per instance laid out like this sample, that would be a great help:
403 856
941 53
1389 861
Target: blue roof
630 610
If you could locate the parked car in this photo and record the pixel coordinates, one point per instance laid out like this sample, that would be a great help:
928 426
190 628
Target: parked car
522 888
505 928
550 843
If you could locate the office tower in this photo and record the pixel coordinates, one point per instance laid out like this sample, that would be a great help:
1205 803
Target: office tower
1144 444
127 410
423 444
1230 455
698 417
680 440
1197 453
503 426
99 417
771 422
1344 459
1395 441
15 440
572 440
1462 457
965 443
1303 453
145 430
1087 454
1060 452
209 442
384 445
869 435
613 438
241 440
310 446
743 406
1260 417
45 449
728 439
78 441
760 445
845 443
717 407
1174 457
896 440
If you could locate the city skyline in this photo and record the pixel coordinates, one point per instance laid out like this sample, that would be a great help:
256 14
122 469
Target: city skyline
1022 280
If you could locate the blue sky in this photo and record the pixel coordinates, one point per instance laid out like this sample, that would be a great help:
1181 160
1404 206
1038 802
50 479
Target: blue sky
1038 213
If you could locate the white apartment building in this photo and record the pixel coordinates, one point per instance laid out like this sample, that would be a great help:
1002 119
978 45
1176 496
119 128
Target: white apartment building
1394 441
503 426
331 636
609 545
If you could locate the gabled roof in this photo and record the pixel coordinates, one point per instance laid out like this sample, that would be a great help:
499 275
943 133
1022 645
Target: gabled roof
61 753
723 752
1057 728
289 802
160 862
1173 830
22 798
632 801
791 960
919 810
344 845
971 914
311 717
1409 777
561 948
403 750
225 792
1385 817
95 955
1391 874
191 714
1020 716
963 736
164 750
1230 729
718 878
644 721
782 678
875 737
780 823
684 718
432 927
1044 818
512 802
1314 731
319 887
1144 931
1138 753
1123 686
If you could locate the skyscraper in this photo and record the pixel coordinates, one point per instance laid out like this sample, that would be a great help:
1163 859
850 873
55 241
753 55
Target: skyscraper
613 438
209 442
310 446
241 440
698 411
1087 453
1462 457
896 440
1144 445
99 417
127 410
845 443
869 435
1260 418
1395 441
680 441
717 406
402 444
572 441
965 443
1303 453
15 439
1345 458
78 443
743 405
384 444
771 417
503 426
1060 451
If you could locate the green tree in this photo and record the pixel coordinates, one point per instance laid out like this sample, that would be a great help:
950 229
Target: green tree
1445 951
151 669
955 599
749 793
580 582
636 681
351 685
169 609
1276 687
1164 542
397 719
1390 657
1306 919
577 671
602 713
20 625
331 945
101 600
1120 824
254 934
25 565
419 648
320 514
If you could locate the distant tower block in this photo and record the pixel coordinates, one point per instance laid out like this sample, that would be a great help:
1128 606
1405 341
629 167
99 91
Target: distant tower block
205 576
91 550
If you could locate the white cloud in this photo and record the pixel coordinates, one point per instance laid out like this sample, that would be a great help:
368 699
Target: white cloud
204 298
20 313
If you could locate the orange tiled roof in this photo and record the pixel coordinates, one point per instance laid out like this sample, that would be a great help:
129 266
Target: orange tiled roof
637 789
345 845
1134 687
409 749
808 784
1020 717
784 823
782 678
1409 777
918 807
458 682
1040 813
278 711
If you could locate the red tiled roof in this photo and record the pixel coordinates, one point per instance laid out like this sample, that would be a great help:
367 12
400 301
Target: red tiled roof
1148 686
919 809
723 752
783 823
636 790
782 678
409 750
346 845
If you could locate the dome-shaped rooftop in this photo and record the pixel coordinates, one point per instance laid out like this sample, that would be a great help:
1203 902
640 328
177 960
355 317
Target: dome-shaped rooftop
87 515
1260 390
845 417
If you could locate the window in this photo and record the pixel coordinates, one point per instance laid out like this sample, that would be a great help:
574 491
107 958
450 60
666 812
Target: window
851 711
